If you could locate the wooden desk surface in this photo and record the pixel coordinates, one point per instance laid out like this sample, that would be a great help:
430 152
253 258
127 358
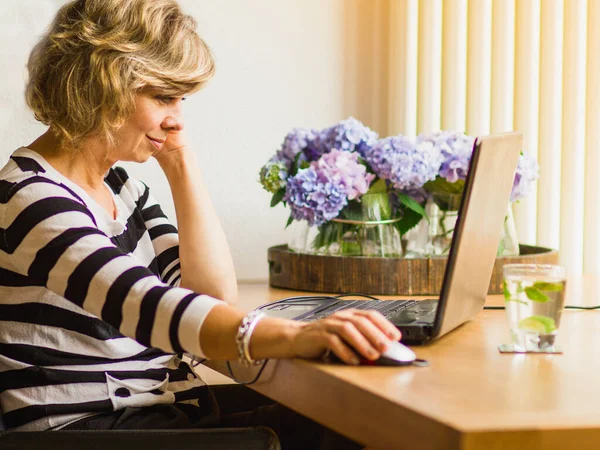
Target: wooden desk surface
470 396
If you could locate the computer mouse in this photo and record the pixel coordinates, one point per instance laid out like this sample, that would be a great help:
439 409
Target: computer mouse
397 354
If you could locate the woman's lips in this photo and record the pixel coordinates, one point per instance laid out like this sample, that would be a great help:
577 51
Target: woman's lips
157 143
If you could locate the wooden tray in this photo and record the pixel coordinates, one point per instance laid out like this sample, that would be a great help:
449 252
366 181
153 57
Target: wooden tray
381 276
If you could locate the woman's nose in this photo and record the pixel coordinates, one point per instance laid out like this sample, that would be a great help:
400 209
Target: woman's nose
172 123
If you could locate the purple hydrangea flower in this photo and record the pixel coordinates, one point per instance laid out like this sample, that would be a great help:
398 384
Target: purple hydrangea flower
318 194
350 135
343 168
313 197
527 172
456 149
296 141
404 164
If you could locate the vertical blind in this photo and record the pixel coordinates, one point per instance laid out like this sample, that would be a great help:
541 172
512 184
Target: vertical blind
484 66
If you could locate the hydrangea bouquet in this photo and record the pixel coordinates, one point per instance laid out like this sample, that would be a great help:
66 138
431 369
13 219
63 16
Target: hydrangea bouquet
344 176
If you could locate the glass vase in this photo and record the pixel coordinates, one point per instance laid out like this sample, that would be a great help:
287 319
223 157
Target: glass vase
364 228
509 244
442 210
434 237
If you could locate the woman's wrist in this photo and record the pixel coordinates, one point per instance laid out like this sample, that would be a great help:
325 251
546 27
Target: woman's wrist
274 338
176 163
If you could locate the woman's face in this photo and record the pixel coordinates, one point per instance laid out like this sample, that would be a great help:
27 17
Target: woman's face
145 132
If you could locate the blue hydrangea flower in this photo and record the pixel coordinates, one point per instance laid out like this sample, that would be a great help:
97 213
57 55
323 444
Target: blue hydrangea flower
456 149
350 135
314 197
527 172
296 141
406 165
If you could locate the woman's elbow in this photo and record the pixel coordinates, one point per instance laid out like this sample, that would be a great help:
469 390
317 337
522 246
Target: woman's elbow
228 295
228 292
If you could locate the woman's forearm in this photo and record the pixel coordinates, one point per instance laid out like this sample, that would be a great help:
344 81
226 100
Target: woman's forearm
273 337
205 258
347 333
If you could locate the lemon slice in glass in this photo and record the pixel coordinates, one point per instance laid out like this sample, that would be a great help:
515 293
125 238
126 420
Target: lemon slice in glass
538 324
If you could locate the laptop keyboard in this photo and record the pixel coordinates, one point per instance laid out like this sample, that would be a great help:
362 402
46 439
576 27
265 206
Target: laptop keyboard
385 307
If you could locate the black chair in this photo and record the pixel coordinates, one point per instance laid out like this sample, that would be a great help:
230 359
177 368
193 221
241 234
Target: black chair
256 438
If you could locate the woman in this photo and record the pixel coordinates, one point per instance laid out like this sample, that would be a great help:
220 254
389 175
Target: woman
98 291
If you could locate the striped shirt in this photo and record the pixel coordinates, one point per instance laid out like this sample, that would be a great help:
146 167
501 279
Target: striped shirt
91 315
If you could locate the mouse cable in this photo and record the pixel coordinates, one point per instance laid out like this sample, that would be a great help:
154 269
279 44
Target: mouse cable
195 362
356 294
246 383
584 308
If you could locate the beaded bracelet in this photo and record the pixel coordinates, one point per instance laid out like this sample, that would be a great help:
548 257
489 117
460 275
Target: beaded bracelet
242 338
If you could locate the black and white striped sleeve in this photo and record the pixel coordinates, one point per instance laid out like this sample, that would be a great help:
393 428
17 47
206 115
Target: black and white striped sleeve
164 236
49 236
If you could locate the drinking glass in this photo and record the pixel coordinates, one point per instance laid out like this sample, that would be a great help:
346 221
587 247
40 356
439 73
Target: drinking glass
534 296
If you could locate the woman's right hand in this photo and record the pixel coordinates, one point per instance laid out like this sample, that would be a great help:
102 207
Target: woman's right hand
349 334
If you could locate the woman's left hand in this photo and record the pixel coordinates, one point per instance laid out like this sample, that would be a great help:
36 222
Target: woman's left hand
173 149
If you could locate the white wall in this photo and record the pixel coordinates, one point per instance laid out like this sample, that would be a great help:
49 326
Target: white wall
279 65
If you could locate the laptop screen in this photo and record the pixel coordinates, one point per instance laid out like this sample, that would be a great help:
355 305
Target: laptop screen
478 230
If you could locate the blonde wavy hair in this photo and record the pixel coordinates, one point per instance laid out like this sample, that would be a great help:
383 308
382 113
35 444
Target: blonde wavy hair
85 72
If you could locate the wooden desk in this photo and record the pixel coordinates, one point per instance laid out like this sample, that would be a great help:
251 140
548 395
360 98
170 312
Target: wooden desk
470 397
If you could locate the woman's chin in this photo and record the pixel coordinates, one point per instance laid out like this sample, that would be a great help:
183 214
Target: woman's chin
139 155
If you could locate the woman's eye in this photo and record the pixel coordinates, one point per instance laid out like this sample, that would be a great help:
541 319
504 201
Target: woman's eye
165 99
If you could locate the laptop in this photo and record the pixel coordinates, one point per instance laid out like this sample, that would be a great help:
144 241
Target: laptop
470 261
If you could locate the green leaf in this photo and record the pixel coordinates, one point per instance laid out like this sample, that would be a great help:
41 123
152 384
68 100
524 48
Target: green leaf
413 205
376 206
409 220
549 287
350 248
501 247
352 211
536 295
289 222
378 187
516 301
442 186
507 295
277 197
328 233
294 168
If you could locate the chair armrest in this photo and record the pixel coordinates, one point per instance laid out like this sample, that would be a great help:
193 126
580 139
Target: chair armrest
256 438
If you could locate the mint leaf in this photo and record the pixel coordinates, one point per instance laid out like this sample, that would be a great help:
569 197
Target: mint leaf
549 287
536 295
277 197
507 295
